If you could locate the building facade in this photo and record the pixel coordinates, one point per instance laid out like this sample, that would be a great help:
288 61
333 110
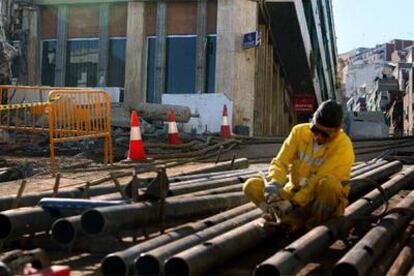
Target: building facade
151 48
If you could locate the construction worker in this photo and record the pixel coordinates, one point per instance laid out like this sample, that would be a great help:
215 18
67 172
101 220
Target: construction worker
318 157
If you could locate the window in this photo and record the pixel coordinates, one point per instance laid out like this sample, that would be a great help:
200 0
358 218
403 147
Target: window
181 65
48 62
116 62
82 62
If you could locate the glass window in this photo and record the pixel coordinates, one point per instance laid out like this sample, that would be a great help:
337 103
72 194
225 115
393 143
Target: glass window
211 63
48 62
116 62
181 65
82 62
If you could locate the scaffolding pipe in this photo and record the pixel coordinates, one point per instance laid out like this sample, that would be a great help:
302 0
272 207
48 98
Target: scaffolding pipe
361 257
292 258
152 262
110 219
122 262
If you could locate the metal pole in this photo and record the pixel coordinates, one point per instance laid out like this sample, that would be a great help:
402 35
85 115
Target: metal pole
151 262
111 219
361 257
293 257
122 262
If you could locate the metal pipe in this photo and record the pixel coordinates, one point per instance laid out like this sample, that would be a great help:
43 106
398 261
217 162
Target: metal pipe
358 174
32 199
77 204
360 258
200 258
66 230
368 167
384 263
293 257
404 260
215 191
365 182
240 163
209 176
111 219
122 262
151 262
196 187
18 222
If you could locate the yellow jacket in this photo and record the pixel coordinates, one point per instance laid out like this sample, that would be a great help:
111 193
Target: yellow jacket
310 162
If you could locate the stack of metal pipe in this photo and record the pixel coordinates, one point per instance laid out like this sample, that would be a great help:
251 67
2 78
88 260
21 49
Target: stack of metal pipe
195 253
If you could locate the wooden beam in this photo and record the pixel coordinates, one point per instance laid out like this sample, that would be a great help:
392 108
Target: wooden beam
160 51
61 41
103 44
201 48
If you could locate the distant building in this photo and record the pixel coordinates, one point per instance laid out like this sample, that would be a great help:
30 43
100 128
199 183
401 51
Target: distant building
361 67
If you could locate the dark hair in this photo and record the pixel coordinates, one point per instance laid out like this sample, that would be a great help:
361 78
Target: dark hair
329 114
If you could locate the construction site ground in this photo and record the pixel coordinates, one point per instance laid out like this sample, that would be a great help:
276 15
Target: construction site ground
88 263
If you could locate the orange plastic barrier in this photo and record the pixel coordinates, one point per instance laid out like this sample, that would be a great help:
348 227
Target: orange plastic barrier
66 114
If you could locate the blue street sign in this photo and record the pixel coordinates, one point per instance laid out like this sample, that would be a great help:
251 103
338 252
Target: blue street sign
251 40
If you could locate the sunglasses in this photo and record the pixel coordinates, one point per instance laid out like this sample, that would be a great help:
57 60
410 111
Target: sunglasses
315 130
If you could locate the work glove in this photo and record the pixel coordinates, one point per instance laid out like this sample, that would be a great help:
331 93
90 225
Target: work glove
281 208
272 192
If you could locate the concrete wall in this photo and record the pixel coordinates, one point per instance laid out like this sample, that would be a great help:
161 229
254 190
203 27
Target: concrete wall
235 67
136 53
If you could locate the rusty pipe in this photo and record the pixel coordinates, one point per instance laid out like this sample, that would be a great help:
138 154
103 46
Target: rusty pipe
360 258
294 256
122 262
404 260
386 260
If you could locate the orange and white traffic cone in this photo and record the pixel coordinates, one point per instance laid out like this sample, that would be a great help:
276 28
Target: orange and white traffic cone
136 147
173 136
225 128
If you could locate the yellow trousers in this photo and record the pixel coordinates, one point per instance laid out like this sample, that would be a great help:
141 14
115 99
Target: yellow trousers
321 201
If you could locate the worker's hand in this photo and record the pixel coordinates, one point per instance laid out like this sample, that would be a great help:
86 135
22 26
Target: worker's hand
282 208
272 192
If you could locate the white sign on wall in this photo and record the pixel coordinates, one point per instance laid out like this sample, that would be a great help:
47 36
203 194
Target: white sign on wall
208 106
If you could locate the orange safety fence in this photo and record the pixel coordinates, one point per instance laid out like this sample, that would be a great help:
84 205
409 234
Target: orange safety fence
66 114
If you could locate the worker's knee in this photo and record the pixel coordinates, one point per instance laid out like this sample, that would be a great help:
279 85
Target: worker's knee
329 186
330 198
253 188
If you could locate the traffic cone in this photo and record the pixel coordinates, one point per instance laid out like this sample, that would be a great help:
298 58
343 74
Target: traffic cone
136 147
173 136
225 128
